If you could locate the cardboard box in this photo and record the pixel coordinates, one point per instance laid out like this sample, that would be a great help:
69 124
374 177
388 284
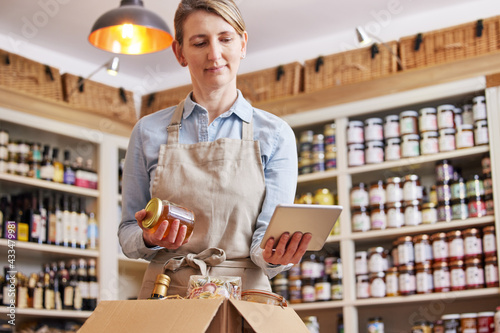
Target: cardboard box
192 316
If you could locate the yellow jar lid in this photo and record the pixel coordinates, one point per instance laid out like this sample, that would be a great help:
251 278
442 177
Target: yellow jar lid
154 208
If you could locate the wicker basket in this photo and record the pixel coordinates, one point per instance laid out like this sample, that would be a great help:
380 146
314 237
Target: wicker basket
99 98
450 44
26 75
161 99
272 83
350 66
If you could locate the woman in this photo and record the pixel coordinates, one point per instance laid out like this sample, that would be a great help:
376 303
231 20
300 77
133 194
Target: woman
216 155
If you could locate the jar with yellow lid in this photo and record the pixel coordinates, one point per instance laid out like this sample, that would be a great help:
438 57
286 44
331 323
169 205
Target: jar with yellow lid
158 211
323 196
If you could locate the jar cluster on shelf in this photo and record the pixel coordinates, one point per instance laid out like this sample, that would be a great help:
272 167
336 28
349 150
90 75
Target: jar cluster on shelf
402 201
318 277
422 264
317 151
483 322
34 160
412 133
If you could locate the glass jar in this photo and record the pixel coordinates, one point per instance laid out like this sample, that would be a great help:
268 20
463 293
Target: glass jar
468 322
487 183
306 141
308 290
424 278
429 143
323 288
475 186
359 196
378 217
473 245
318 162
331 158
490 205
160 210
486 163
377 284
458 117
392 282
455 245
443 190
465 136
337 289
395 215
412 190
408 122
374 129
459 209
428 119
433 195
479 108
377 193
477 206
323 196
481 136
491 271
311 323
295 290
445 118
410 146
445 213
356 154
361 219
318 144
422 327
407 280
413 213
441 276
489 241
375 325
451 323
4 137
391 127
474 273
422 248
447 139
444 171
394 190
406 252
440 250
393 149
355 132
429 213
361 263
362 286
486 322
467 116
458 189
263 297
329 132
457 275
377 259
374 152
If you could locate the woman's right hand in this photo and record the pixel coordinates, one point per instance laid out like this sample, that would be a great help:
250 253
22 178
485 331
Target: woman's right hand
174 239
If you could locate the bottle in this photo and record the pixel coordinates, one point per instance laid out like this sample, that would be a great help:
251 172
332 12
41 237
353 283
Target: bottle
48 292
93 286
80 173
51 222
38 294
340 323
55 275
33 279
58 167
42 236
7 292
92 232
59 229
36 159
36 220
74 221
47 168
91 175
66 222
83 221
22 224
82 289
22 291
71 286
160 288
69 173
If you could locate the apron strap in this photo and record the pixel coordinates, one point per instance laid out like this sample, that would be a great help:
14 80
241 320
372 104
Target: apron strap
209 257
175 124
247 130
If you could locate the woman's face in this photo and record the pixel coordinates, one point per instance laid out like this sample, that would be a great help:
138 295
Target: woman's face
212 49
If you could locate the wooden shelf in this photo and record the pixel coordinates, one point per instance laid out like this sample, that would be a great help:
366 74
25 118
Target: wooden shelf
69 314
318 305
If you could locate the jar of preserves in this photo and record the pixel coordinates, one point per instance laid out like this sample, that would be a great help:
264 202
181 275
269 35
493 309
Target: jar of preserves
468 322
413 213
444 211
308 290
428 119
318 144
410 145
458 189
486 322
391 127
429 143
361 263
306 141
479 108
378 217
375 325
158 211
374 129
457 275
473 245
422 327
323 288
486 163
475 186
412 190
377 284
446 116
311 323
361 219
406 252
441 275
394 190
443 191
459 209
481 136
329 132
305 165
474 273
490 205
489 241
362 286
318 162
331 158
295 291
359 196
395 215
467 116
374 152
295 272
377 193
433 195
487 183
422 248
323 196
444 171
491 271
455 245
458 117
4 137
393 149
337 289
408 122
392 282
424 278
477 206
451 323
429 213
336 271
465 136
407 280
377 259
356 154
280 286
447 139
355 132
439 243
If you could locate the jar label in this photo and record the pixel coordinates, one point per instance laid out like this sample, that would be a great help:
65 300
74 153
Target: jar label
378 220
323 291
377 196
429 216
424 282
374 132
407 283
410 191
423 252
429 146
360 266
360 222
457 277
362 290
473 246
395 218
359 198
391 130
465 139
446 142
394 193
374 155
391 284
460 211
413 216
410 149
355 135
377 288
376 263
445 119
392 152
456 248
489 241
428 122
308 294
441 278
491 273
406 253
440 249
408 125
356 157
479 111
474 276
481 136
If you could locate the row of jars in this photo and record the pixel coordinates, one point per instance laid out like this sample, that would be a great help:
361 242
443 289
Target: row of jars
317 151
471 322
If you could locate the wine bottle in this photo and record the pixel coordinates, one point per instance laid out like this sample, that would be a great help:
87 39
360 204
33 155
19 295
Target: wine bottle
58 167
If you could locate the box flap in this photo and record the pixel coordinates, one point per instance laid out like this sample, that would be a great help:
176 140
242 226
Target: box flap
173 315
266 318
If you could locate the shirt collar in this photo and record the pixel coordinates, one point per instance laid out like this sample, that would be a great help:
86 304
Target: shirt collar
241 107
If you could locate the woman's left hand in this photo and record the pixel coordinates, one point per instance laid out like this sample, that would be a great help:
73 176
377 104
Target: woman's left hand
289 250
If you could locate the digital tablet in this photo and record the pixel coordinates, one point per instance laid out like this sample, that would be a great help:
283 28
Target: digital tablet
318 220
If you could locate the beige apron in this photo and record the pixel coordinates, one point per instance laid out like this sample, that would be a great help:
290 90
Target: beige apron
223 183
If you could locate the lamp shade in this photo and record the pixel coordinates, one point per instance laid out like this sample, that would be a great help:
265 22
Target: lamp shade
362 36
130 29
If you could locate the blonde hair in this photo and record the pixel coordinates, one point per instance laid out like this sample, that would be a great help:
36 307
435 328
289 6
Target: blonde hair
226 9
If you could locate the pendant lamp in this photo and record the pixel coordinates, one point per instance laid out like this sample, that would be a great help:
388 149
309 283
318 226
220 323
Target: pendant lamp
130 29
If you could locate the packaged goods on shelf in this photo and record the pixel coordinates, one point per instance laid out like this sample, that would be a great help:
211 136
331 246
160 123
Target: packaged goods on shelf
317 151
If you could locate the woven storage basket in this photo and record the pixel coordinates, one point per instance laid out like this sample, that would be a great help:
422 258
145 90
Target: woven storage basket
349 67
162 99
26 75
272 83
99 98
450 44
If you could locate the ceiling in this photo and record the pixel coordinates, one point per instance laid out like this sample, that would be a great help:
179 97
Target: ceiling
63 25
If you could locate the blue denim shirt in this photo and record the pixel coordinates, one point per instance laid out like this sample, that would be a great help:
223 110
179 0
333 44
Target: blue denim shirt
278 154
